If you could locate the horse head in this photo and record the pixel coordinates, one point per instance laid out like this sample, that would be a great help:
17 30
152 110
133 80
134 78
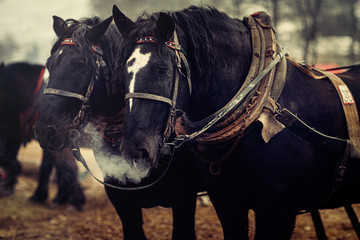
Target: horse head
154 72
75 61
215 47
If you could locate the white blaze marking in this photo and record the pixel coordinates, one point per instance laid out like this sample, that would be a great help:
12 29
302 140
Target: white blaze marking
139 60
60 52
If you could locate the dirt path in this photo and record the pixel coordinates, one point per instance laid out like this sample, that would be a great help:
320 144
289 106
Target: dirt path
22 220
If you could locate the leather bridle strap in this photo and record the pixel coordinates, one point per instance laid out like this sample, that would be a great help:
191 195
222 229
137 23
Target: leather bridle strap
63 93
99 63
179 59
78 121
150 97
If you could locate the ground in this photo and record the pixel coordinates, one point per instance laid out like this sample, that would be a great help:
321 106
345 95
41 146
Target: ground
22 220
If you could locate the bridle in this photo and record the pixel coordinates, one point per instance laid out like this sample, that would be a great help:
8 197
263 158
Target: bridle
179 61
79 122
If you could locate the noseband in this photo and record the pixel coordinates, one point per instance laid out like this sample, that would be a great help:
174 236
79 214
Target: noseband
180 60
78 121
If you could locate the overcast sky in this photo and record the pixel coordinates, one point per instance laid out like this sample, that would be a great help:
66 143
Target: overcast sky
30 24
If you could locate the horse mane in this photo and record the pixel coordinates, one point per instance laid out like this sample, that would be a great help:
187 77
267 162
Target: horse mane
109 42
200 26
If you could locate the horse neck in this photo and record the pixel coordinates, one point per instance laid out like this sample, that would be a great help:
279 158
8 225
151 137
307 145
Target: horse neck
232 61
27 77
102 102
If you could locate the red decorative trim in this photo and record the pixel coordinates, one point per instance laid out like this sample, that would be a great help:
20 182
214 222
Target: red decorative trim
147 39
68 41
151 39
2 173
95 48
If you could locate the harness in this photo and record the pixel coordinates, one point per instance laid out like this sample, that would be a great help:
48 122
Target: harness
349 146
347 102
214 140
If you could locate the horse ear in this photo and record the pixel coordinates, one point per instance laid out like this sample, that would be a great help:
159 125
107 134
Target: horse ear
166 26
95 33
122 22
59 26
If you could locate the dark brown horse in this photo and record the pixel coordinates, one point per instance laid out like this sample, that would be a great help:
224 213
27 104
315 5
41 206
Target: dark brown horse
251 115
21 87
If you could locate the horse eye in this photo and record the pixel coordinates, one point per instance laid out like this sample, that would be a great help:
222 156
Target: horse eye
162 71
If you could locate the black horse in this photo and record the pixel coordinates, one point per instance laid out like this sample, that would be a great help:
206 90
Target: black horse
20 93
260 143
85 55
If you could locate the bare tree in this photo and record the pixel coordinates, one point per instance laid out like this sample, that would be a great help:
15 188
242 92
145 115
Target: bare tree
309 12
353 28
7 48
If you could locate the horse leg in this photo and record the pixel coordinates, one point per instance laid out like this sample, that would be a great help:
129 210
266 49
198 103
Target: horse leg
69 188
129 213
233 217
353 218
42 191
11 168
319 226
274 223
184 217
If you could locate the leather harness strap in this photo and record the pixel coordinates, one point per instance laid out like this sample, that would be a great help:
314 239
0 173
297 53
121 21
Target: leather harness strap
149 96
64 93
265 50
350 147
347 102
350 110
